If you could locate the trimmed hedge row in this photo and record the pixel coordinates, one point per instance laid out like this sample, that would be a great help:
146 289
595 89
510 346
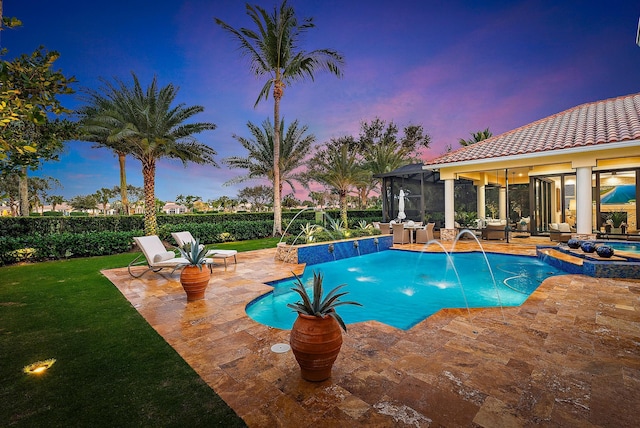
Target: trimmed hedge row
64 245
21 226
44 238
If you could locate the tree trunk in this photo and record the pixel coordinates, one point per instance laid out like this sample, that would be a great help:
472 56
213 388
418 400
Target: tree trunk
277 196
123 183
149 177
343 209
23 187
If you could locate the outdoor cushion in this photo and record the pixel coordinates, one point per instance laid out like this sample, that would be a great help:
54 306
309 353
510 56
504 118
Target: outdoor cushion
167 255
564 227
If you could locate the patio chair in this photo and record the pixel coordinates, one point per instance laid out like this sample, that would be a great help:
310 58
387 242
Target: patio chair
156 256
560 232
385 228
182 238
425 235
400 234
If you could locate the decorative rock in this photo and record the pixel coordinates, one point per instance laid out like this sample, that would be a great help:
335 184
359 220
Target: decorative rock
574 243
588 247
604 251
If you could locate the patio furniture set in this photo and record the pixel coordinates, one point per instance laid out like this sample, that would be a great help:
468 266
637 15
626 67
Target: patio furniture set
157 257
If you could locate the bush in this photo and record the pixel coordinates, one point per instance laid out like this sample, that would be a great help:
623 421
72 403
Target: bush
64 245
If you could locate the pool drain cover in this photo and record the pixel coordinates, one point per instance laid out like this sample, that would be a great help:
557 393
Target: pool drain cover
280 348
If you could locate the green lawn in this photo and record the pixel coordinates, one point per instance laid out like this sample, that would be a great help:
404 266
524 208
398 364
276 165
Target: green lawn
112 369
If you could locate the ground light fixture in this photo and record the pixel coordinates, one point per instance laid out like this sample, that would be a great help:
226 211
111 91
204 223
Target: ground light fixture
39 367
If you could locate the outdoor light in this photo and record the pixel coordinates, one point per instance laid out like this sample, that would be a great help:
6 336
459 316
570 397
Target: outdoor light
39 367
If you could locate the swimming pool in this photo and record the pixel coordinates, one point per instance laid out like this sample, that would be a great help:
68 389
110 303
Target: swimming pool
624 246
402 288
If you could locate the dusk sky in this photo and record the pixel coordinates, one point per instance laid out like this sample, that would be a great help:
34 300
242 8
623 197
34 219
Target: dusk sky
454 67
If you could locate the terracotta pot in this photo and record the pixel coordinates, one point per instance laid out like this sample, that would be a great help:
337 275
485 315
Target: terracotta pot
316 343
194 281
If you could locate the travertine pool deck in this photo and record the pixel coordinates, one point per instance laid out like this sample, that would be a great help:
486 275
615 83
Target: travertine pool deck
568 357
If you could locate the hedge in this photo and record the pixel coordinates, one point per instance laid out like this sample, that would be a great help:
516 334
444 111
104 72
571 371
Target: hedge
64 245
43 238
21 226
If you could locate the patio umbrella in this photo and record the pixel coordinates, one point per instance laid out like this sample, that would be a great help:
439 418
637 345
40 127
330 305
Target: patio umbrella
401 214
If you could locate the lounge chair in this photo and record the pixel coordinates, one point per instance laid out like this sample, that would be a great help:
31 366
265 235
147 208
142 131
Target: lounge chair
560 232
494 231
156 256
425 235
400 234
182 238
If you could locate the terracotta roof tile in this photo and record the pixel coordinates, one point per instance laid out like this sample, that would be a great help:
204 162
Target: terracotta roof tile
600 122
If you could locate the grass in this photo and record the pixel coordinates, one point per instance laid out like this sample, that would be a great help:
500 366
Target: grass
112 368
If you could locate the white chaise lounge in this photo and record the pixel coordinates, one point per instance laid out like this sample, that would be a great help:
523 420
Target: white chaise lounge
182 238
156 256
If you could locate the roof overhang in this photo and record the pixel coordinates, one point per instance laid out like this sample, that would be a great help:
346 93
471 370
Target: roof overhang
543 157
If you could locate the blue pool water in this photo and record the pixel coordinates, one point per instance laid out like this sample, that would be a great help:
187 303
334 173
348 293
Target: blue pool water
623 246
402 288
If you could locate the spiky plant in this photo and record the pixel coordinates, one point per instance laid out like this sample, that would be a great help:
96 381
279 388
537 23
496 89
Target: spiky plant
308 230
317 306
194 253
363 225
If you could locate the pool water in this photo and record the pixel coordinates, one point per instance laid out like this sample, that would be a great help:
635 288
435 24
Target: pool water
402 288
623 246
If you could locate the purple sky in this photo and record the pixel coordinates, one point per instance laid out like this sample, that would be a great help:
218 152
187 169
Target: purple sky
455 67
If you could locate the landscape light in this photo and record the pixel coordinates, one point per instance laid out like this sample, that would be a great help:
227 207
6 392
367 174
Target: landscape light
39 367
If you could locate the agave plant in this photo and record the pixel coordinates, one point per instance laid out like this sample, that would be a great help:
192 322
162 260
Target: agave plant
336 225
363 225
194 253
316 305
309 230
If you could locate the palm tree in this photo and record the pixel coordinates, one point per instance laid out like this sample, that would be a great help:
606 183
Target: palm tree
259 160
152 129
101 123
337 168
273 50
476 137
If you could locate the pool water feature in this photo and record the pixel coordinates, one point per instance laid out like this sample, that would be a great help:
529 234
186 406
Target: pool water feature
402 288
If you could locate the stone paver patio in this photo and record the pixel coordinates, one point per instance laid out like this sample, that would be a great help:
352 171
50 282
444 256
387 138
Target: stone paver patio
568 357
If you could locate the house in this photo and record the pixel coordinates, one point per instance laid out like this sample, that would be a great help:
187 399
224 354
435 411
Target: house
173 208
579 166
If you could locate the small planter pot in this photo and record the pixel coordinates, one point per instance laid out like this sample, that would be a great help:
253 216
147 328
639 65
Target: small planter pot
604 251
195 281
315 343
588 247
574 243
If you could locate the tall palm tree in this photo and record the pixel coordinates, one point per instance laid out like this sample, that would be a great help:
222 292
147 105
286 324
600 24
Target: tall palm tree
259 160
153 128
100 132
476 137
273 50
337 168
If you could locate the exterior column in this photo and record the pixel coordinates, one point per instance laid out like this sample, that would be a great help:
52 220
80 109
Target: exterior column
502 204
481 202
584 205
449 231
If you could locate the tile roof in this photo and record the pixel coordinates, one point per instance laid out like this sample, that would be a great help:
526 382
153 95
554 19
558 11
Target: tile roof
600 122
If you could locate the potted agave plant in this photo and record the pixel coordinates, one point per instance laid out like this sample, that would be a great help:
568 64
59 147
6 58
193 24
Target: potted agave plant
193 278
316 337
